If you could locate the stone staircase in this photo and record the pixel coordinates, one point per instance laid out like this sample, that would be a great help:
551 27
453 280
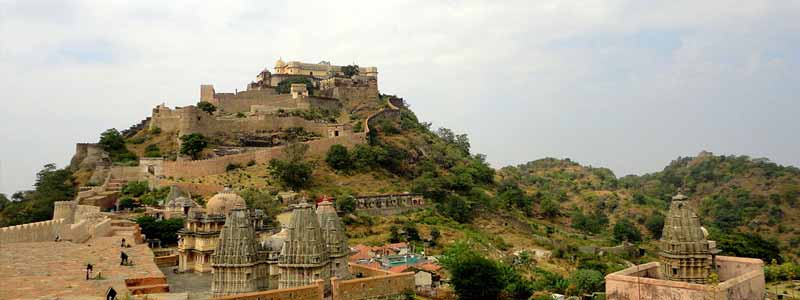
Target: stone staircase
105 196
151 285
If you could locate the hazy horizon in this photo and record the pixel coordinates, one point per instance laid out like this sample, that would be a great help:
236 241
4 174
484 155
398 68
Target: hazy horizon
625 85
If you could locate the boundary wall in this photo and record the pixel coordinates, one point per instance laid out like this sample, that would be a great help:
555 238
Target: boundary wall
45 231
217 165
314 291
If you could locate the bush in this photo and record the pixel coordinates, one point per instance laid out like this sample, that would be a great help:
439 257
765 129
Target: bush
164 230
193 144
240 115
593 223
346 203
206 107
624 230
550 208
152 150
338 158
135 188
126 202
655 224
293 172
585 281
473 276
112 142
155 130
232 167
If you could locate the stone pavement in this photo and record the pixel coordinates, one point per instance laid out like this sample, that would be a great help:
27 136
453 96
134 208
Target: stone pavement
46 270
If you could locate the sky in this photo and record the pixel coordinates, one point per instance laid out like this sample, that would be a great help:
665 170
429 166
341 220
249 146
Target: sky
628 85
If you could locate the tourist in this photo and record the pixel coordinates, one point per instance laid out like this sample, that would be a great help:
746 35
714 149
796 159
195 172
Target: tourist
124 259
123 243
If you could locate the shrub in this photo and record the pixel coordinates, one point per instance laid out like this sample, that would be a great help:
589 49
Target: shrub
135 188
550 208
193 144
232 167
240 115
350 70
126 202
624 230
251 163
155 130
655 224
346 203
586 281
206 107
338 158
152 150
137 140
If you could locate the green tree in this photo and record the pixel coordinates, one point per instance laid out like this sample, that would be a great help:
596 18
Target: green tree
585 281
112 142
263 200
206 107
624 230
293 172
435 235
193 144
346 204
164 230
338 158
655 224
474 277
350 70
135 188
126 202
394 234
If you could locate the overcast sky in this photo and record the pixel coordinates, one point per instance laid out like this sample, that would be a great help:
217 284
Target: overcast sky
628 85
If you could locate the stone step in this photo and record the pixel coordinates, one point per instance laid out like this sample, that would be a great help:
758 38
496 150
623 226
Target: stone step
149 289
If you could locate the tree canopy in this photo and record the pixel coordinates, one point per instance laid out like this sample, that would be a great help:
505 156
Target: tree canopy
193 144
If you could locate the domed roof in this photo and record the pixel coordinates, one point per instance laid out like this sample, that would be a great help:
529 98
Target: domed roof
280 63
223 202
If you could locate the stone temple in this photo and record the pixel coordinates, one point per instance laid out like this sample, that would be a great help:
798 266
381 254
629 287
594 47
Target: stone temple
687 261
312 248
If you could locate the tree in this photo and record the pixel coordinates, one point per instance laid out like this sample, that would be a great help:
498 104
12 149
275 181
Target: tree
338 158
585 281
127 202
624 230
135 188
394 234
473 276
412 234
263 200
164 230
655 224
193 144
152 150
206 107
346 204
435 235
112 142
294 172
350 70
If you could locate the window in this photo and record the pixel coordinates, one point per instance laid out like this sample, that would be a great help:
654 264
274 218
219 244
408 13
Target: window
674 271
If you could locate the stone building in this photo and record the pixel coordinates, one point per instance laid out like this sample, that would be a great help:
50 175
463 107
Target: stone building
687 261
312 248
239 263
201 232
685 253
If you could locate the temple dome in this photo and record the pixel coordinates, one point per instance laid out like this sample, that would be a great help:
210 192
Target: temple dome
280 63
223 202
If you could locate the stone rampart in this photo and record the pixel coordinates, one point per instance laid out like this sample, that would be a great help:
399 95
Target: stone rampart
103 228
217 165
77 233
314 291
393 286
390 204
203 189
32 232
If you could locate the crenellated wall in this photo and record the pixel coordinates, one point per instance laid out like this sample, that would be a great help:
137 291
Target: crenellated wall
32 232
217 165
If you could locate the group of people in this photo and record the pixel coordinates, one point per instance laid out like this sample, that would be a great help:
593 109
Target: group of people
124 261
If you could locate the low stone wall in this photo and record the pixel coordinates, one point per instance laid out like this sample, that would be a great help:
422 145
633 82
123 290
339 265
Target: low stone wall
389 204
366 271
745 282
103 228
315 291
200 168
166 261
203 189
32 232
77 233
393 286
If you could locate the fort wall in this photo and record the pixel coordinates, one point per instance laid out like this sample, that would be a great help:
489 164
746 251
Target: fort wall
44 231
393 286
314 291
390 204
217 165
77 233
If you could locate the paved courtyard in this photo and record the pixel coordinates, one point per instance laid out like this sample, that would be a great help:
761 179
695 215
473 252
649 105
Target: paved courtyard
57 269
196 284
